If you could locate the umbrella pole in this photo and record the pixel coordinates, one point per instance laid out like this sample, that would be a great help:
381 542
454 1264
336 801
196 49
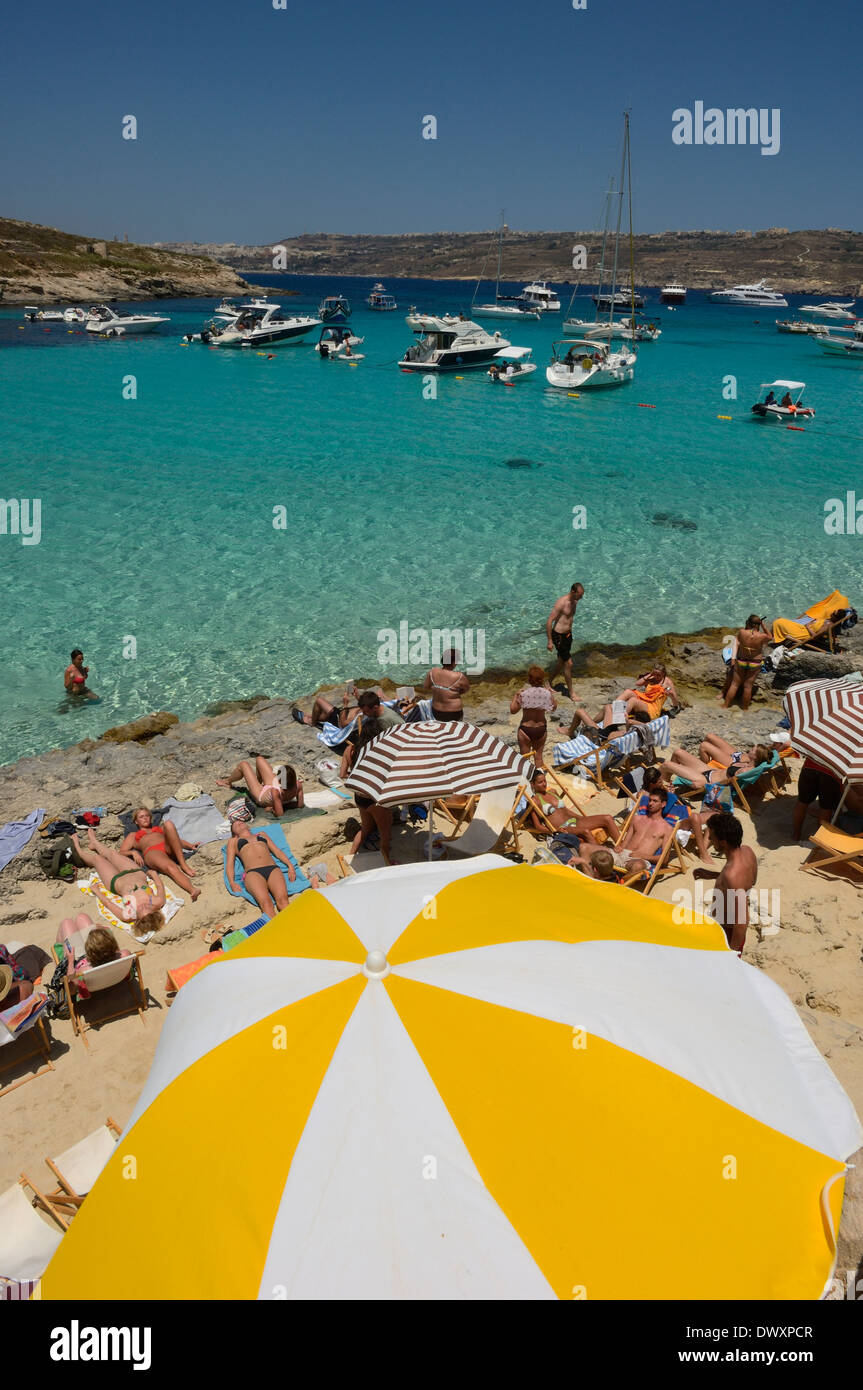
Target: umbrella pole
841 803
431 832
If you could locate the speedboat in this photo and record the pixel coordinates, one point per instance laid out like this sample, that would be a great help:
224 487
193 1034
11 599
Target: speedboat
832 309
44 315
635 329
512 364
788 408
758 294
505 309
425 323
104 320
841 345
539 295
620 299
338 342
577 364
334 308
75 315
445 346
380 300
673 294
255 327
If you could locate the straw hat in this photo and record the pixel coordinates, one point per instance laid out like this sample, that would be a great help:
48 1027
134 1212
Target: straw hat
6 978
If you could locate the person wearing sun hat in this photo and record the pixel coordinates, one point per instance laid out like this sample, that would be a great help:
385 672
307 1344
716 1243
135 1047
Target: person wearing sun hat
12 990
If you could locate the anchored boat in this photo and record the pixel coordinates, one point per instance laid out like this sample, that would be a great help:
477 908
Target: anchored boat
445 346
789 408
512 364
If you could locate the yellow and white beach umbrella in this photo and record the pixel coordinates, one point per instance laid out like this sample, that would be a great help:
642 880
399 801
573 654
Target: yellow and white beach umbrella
474 1080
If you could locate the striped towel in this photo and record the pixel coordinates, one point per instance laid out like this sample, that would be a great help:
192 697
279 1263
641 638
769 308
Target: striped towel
659 729
171 908
334 737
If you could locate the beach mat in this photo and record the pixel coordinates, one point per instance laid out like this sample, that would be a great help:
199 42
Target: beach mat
171 908
277 835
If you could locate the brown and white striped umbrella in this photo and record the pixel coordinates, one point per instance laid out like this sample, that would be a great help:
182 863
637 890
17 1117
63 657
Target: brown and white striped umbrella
425 760
826 719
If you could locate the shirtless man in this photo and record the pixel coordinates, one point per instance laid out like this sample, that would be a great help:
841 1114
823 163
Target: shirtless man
558 630
75 677
746 661
730 906
263 877
647 835
446 687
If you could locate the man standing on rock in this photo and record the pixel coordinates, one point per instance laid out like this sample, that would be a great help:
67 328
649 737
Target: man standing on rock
558 630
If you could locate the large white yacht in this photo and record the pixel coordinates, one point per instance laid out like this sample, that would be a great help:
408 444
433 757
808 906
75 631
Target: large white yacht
758 294
447 347
255 326
673 293
540 295
832 309
105 320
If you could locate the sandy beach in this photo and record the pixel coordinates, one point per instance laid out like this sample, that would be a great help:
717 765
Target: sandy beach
815 956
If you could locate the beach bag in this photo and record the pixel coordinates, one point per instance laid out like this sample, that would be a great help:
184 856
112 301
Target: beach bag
58 1006
240 809
849 621
60 859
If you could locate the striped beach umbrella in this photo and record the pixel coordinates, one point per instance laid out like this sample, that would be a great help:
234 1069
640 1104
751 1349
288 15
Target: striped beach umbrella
826 718
475 1080
431 759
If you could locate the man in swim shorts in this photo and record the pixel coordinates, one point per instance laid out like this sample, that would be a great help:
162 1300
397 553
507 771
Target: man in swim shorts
558 630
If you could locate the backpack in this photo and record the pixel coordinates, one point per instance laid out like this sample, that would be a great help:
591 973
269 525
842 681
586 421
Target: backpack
60 859
58 1006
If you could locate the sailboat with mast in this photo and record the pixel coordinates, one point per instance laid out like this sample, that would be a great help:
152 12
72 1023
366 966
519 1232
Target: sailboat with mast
585 363
505 307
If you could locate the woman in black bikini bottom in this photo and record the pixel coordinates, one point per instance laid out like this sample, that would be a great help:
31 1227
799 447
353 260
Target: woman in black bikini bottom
264 878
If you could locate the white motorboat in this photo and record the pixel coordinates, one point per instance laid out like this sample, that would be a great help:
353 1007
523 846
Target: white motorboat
334 308
789 408
107 322
337 340
75 315
798 326
832 309
447 347
255 327
512 364
673 294
842 344
539 295
758 295
618 299
583 363
381 301
45 315
425 323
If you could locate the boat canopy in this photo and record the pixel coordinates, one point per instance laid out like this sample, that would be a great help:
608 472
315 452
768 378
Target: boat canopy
514 354
786 385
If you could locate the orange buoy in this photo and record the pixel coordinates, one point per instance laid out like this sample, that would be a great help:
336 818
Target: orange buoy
642 406
796 427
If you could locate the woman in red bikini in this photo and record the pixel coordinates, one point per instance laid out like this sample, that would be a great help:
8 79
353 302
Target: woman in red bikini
160 847
75 676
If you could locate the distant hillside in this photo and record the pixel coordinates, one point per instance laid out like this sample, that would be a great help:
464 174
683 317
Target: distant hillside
47 266
829 261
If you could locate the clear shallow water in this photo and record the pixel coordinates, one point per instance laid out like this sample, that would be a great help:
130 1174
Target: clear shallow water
157 512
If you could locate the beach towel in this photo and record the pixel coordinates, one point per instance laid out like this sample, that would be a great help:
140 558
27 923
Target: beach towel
128 824
801 629
171 908
200 820
277 835
17 833
334 737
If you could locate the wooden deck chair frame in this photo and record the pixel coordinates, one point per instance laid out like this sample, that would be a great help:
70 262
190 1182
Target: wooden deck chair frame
851 858
510 829
466 814
564 790
768 775
44 1200
43 1046
65 1194
135 981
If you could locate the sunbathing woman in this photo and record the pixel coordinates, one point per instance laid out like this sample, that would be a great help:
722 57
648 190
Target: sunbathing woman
262 783
699 773
647 695
564 818
160 847
120 874
263 877
535 700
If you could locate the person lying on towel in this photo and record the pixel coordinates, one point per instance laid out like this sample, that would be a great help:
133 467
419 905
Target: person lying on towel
263 877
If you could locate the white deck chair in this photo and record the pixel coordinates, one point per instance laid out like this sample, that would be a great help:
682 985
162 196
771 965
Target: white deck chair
492 819
77 1169
27 1242
101 977
36 1024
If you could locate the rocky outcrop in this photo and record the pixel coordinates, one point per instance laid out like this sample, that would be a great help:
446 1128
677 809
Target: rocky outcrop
141 730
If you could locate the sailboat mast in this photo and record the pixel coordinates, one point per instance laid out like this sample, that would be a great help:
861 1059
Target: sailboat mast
617 233
499 253
631 241
606 221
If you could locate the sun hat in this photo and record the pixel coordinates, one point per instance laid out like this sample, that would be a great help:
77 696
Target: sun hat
6 979
190 791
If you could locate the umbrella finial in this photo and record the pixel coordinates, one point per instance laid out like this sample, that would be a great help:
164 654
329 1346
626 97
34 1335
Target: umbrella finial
376 966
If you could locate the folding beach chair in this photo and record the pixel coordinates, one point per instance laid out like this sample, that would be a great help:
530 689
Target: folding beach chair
838 847
753 777
34 1025
673 850
27 1242
492 827
96 979
77 1168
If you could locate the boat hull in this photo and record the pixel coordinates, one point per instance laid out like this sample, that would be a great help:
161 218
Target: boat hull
123 330
446 361
500 311
575 378
271 337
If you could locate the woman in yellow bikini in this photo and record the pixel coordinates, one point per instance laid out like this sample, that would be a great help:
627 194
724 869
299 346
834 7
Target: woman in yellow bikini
122 876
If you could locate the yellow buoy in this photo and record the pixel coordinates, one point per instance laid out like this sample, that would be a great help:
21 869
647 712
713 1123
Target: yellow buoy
723 417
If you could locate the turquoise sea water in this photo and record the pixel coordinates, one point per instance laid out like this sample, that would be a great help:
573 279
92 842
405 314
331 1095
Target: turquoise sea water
157 512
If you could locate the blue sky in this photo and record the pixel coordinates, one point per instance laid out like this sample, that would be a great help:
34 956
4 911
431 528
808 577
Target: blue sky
255 123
